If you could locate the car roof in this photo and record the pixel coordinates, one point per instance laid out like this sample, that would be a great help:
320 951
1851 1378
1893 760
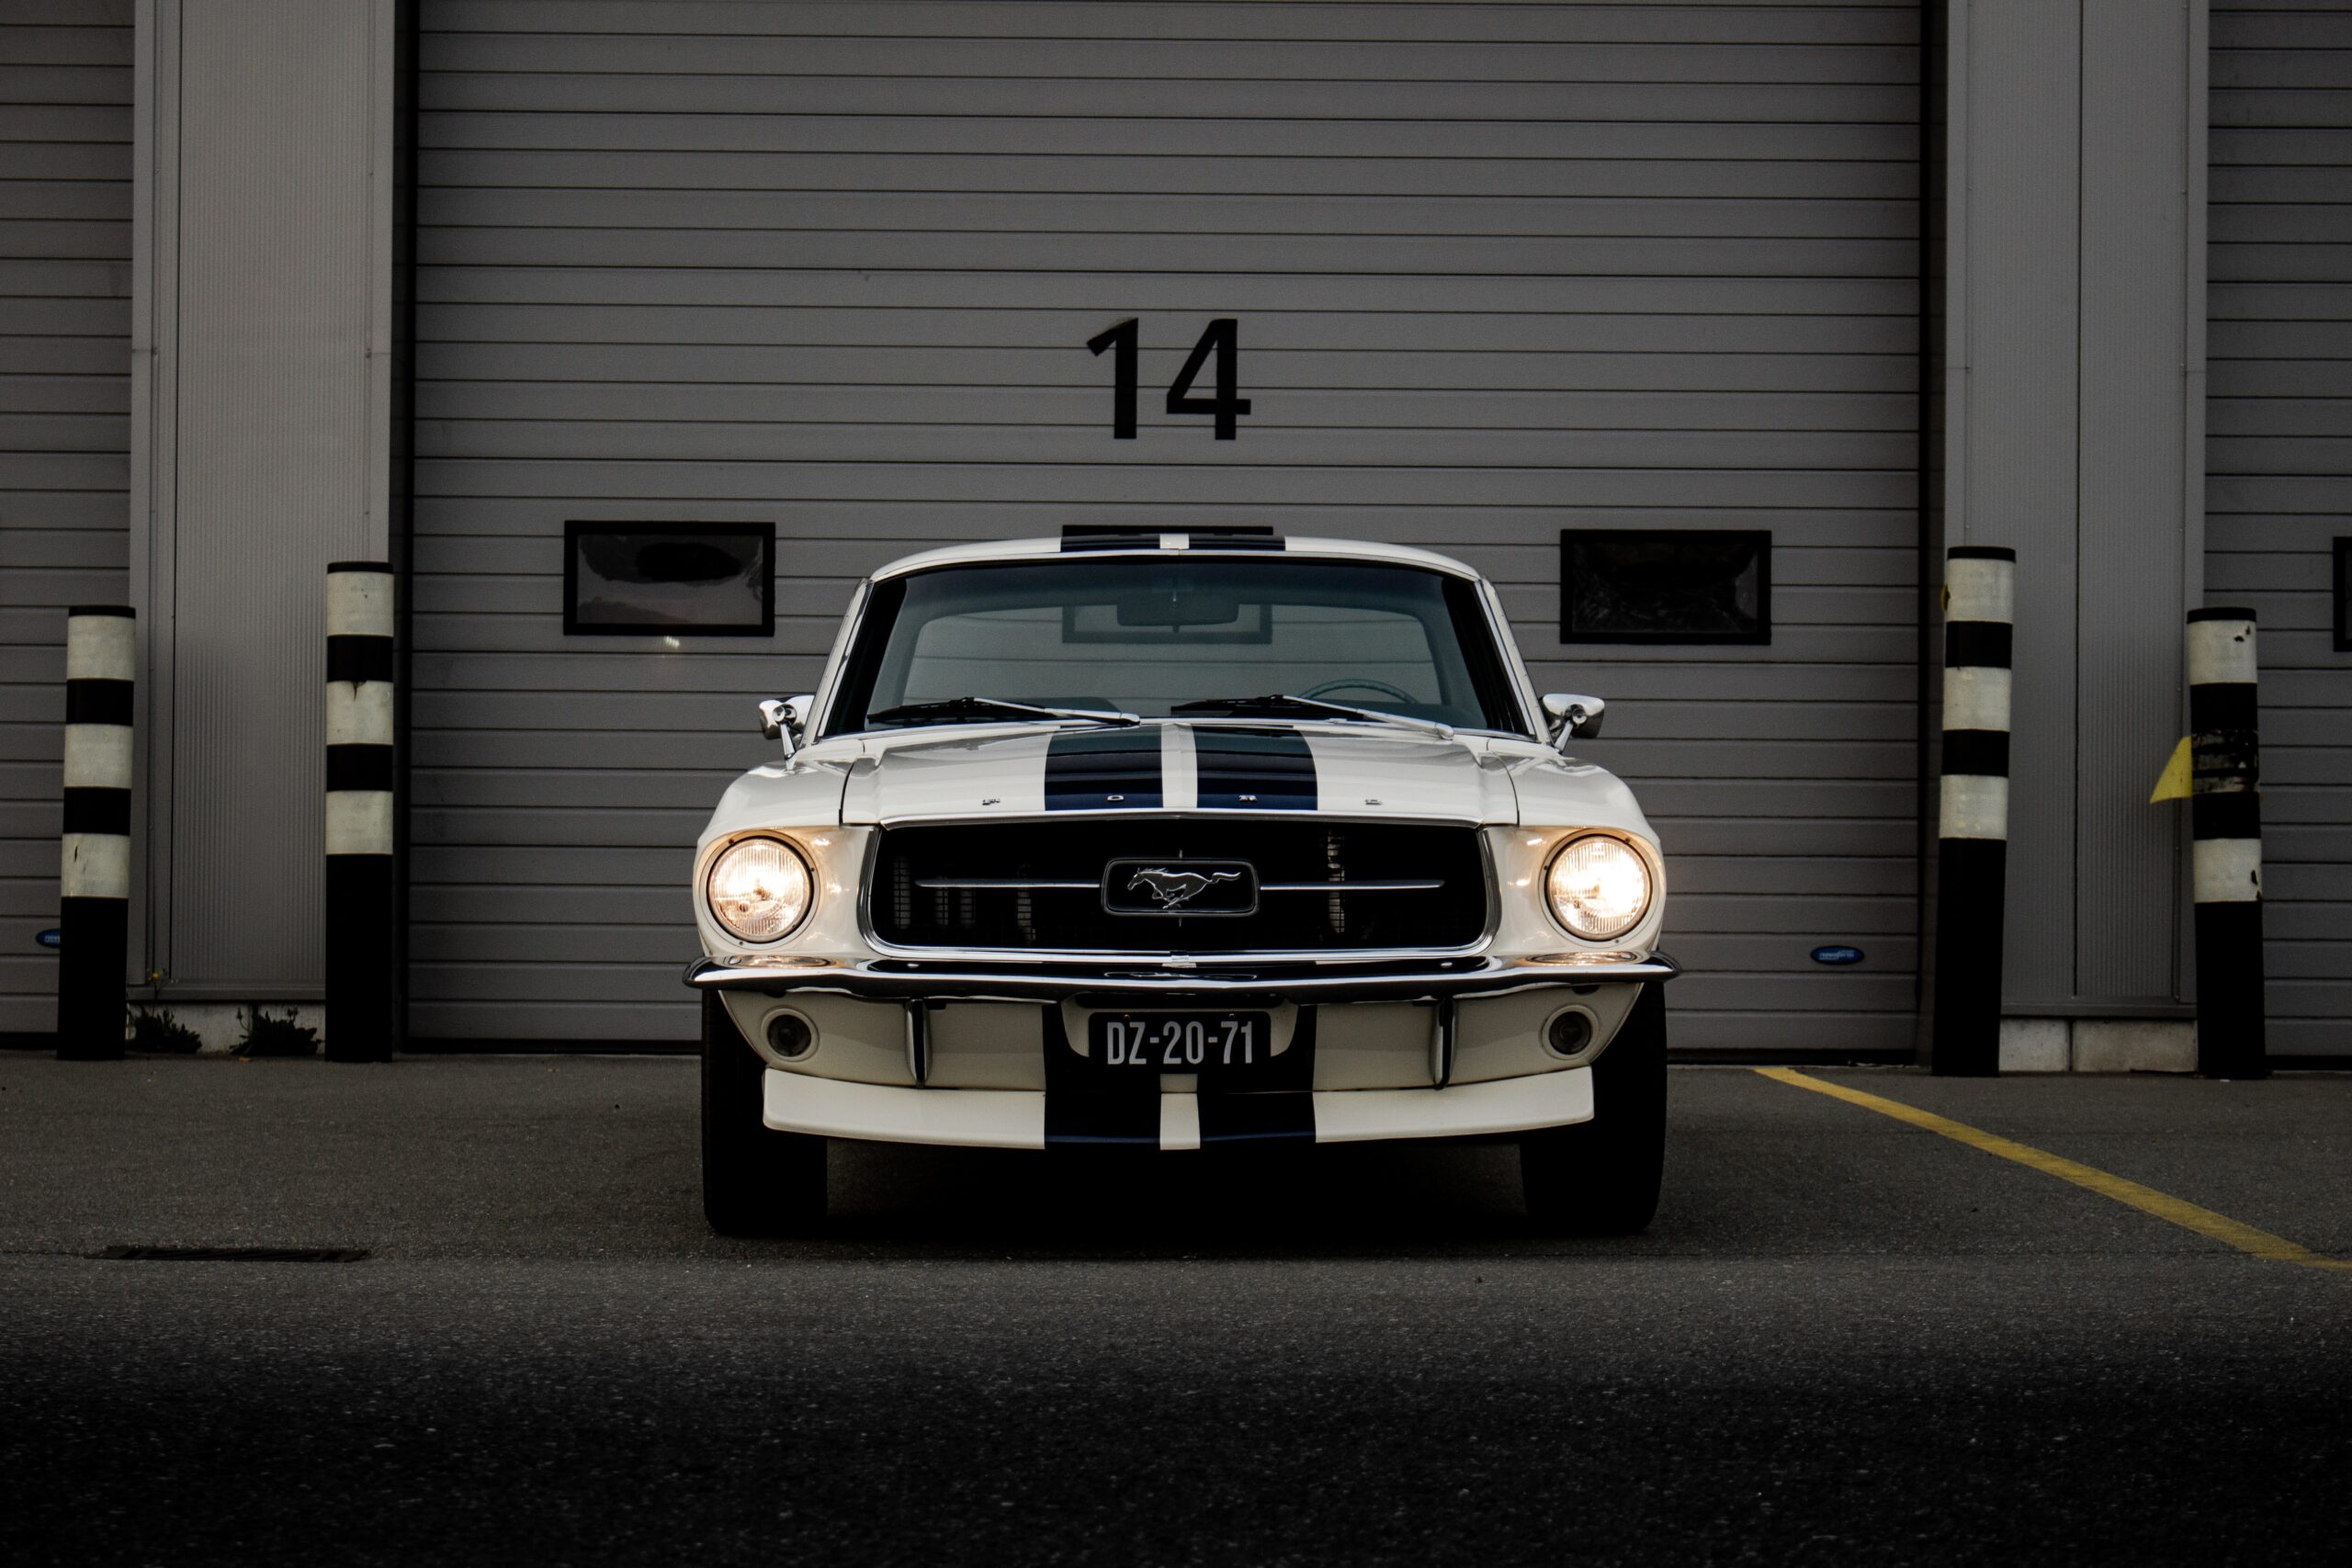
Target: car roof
1173 542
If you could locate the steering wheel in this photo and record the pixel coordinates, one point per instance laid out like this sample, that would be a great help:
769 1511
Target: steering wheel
1341 684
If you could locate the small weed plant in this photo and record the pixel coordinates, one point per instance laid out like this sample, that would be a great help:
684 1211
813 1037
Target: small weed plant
270 1036
154 1028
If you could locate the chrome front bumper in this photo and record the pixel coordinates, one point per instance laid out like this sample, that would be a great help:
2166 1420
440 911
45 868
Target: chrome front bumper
904 979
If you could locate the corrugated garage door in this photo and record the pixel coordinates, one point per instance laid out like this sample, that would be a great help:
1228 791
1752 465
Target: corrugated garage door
64 426
2278 468
1498 270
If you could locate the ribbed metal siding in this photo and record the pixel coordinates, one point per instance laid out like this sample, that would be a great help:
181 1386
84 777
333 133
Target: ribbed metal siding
1498 270
64 424
2279 469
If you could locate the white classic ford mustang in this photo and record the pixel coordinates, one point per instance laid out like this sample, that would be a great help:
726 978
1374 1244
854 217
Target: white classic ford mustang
1182 841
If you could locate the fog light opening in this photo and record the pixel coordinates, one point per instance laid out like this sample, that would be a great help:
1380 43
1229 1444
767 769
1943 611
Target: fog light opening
1569 1033
789 1035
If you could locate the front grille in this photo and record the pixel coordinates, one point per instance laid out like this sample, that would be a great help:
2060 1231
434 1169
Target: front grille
1041 887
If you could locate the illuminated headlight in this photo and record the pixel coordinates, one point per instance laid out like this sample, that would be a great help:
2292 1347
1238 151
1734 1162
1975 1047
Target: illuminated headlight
1600 887
760 889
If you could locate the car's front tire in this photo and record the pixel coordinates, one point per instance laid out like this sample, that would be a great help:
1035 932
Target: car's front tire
755 1181
1601 1177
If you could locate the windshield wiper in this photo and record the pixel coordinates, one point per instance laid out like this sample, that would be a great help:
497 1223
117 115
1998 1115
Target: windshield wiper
1282 701
959 707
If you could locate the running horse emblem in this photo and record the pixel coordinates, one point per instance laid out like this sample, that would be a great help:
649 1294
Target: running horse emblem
1177 888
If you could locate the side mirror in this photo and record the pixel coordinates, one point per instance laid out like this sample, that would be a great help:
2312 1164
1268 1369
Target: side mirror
784 719
1573 718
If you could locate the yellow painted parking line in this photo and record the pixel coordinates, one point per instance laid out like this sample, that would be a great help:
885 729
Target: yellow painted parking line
2147 1200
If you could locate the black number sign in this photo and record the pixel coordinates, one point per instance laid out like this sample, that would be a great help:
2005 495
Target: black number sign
1122 370
1222 339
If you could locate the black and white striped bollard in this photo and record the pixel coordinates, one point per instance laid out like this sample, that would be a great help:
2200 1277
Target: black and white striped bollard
360 951
1973 829
2225 861
94 873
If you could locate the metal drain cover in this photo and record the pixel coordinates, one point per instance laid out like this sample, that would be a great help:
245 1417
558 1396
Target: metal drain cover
233 1254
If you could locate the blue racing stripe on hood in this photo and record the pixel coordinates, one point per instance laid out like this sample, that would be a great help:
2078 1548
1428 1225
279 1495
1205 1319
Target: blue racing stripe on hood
1255 770
1099 770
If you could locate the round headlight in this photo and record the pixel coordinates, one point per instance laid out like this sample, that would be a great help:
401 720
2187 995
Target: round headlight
760 889
1600 887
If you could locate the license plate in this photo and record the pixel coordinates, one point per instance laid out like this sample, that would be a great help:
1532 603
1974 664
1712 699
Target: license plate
1141 1042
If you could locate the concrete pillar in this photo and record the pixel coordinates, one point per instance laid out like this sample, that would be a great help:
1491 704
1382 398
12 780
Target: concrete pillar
261 381
2075 392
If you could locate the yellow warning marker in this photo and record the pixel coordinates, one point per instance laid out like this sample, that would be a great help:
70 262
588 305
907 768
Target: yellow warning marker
2173 783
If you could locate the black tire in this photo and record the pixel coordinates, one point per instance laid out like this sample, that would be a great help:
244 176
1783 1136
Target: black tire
1601 1177
755 1181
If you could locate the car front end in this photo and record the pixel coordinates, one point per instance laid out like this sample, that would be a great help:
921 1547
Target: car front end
1066 851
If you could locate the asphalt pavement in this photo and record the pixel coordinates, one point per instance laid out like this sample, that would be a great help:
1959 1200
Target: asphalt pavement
1845 1338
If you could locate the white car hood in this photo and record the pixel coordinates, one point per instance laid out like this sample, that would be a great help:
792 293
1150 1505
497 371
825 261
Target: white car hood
1178 766
1029 774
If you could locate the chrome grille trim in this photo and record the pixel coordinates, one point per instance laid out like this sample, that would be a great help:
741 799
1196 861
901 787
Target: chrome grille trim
1387 919
1395 885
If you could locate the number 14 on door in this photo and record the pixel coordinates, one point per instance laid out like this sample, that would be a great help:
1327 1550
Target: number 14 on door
1222 339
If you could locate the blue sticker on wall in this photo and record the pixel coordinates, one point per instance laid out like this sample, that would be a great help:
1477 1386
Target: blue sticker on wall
49 938
1836 955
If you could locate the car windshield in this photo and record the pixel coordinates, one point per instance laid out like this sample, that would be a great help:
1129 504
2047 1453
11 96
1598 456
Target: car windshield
1146 636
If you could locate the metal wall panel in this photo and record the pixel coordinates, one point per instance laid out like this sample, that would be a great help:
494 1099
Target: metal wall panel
2278 469
1498 270
2016 326
2074 378
269 415
2137 395
65 167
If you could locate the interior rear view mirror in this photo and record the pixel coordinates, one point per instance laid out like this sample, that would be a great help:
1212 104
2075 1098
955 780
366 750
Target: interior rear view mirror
1188 608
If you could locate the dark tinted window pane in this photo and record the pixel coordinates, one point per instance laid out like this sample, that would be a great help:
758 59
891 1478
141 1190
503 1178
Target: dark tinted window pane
1142 635
2344 595
707 578
1666 586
